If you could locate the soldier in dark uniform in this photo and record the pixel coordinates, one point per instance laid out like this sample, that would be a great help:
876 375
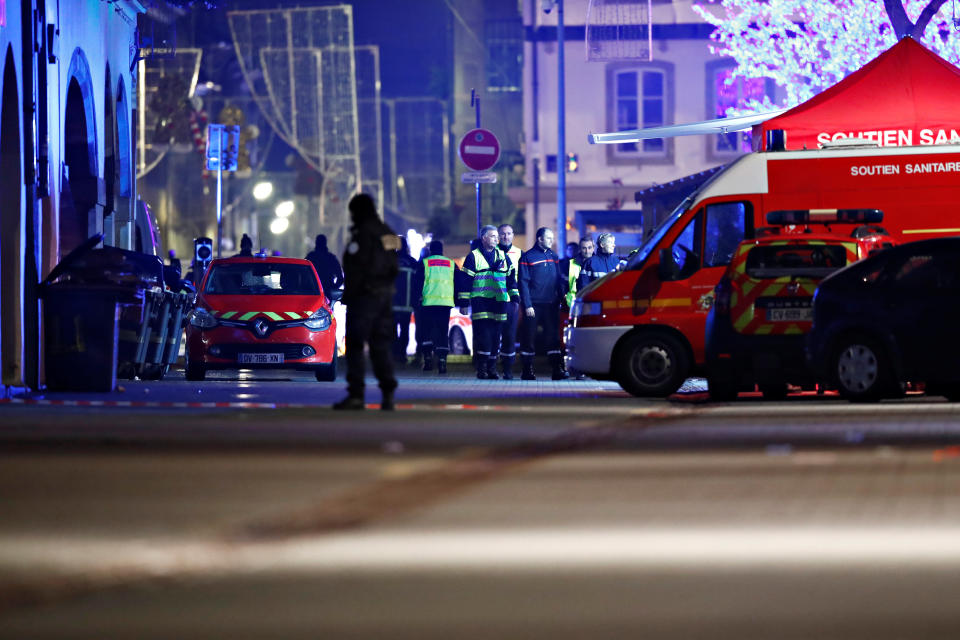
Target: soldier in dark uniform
370 268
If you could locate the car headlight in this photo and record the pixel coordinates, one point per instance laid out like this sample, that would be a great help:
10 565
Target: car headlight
202 318
319 320
581 308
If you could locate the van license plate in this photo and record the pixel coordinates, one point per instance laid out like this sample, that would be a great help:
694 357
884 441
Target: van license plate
260 358
802 314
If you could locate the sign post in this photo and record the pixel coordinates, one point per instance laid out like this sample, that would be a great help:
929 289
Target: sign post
479 151
223 145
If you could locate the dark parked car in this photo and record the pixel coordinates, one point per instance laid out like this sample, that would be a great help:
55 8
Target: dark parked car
889 320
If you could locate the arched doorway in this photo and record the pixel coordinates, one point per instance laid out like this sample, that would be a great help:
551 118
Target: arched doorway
11 212
109 165
82 196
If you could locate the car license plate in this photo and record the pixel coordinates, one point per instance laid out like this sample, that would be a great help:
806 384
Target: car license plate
260 358
796 314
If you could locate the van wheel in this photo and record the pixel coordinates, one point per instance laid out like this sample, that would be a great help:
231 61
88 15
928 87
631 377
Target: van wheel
651 365
327 372
861 370
458 342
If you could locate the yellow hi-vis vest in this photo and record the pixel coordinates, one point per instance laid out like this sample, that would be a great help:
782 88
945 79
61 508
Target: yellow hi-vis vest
487 282
438 281
572 275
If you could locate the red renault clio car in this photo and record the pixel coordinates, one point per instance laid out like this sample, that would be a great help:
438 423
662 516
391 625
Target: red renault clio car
261 313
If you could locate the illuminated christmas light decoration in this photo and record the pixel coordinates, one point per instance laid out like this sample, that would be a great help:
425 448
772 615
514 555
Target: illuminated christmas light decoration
806 46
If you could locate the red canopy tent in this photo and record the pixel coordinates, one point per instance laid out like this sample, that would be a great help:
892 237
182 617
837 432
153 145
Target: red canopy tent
907 95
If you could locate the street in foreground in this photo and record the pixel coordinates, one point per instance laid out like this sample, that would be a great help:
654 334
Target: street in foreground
567 513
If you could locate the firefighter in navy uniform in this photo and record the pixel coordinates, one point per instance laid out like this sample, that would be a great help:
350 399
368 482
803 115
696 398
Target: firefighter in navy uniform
488 284
370 268
434 281
541 289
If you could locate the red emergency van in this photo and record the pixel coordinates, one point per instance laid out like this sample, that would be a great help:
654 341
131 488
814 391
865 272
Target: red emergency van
644 325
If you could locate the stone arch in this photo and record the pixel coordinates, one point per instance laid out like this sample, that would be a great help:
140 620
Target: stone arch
82 198
11 215
123 183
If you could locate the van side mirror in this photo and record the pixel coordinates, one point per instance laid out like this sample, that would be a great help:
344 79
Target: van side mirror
668 269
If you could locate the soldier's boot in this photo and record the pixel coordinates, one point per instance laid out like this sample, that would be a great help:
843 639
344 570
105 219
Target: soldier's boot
528 373
386 404
492 368
506 364
350 403
441 363
556 363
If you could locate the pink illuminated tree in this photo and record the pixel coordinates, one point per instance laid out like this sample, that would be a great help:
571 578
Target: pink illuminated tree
805 46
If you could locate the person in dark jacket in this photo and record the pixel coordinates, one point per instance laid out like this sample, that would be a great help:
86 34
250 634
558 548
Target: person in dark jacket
370 269
246 247
487 284
404 302
326 264
604 261
541 289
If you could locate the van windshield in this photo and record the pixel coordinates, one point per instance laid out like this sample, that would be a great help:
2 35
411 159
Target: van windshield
661 230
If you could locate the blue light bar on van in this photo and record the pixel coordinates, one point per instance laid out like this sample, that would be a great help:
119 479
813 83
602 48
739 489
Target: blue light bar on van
825 216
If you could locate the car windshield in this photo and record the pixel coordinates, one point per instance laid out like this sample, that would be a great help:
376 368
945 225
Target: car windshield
661 230
795 260
248 278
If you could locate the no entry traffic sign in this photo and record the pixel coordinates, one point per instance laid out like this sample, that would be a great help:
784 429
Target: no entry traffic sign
479 149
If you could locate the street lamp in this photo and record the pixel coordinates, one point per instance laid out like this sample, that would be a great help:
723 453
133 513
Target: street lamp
262 190
279 225
548 5
284 209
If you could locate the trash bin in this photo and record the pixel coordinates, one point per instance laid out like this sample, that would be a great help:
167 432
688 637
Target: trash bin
90 300
80 337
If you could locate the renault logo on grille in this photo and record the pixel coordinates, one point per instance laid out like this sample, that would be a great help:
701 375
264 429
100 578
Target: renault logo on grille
261 326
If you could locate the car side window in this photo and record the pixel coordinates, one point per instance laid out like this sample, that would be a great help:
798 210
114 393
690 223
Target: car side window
726 228
686 248
927 272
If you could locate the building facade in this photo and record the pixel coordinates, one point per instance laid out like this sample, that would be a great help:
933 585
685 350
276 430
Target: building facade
681 81
66 149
